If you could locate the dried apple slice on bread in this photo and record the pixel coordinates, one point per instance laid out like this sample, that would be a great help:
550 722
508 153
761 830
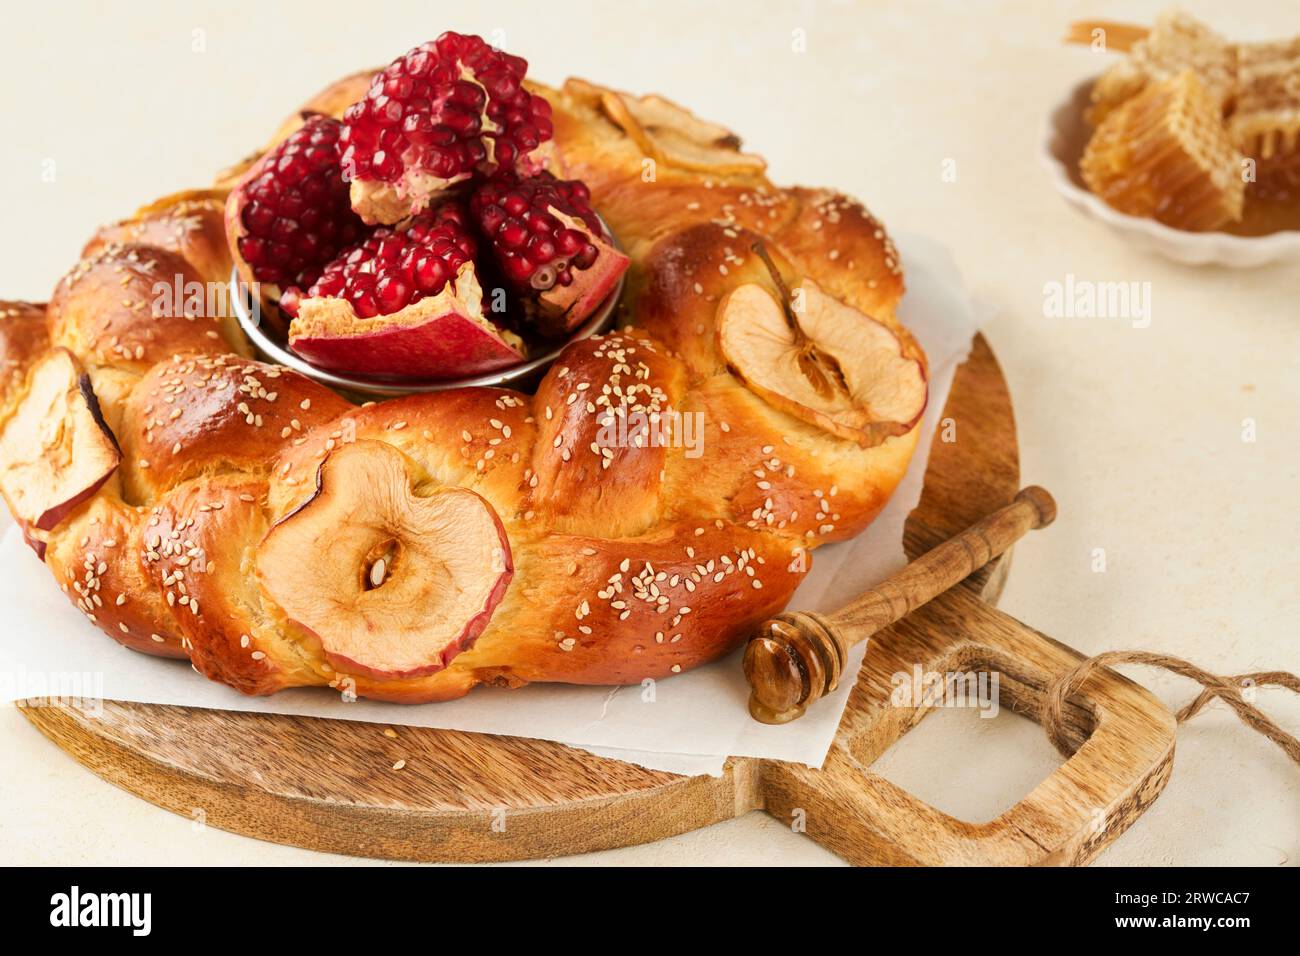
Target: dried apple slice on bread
820 360
675 136
392 577
56 449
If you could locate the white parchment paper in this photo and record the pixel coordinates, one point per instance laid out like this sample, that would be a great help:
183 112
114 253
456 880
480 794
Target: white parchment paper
689 724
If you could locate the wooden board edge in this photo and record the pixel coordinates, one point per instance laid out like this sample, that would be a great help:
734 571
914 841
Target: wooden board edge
688 803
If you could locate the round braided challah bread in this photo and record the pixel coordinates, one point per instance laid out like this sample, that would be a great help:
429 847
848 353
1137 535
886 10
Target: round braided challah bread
196 503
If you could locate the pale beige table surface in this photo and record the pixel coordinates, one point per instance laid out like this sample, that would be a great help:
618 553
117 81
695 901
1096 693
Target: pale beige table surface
1137 431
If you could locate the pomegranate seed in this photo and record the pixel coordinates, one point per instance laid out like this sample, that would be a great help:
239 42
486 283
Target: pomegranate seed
518 268
295 214
511 234
532 247
391 269
363 303
393 293
570 241
428 109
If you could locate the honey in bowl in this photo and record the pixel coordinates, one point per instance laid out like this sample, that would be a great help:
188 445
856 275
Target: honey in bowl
1194 131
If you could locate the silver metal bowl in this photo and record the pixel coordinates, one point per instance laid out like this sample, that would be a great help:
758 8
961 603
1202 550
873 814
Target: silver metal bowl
521 376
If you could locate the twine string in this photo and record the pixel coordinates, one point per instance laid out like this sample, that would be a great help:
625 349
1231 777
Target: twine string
1227 689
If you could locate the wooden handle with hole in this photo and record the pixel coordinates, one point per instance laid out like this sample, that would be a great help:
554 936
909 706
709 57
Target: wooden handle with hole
798 657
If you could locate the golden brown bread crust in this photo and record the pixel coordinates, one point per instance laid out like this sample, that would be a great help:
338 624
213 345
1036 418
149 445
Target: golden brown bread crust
202 414
23 336
199 547
190 224
585 486
96 558
650 606
767 468
115 309
479 438
631 561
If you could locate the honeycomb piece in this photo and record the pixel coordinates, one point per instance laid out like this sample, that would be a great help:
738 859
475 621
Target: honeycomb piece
1176 43
1165 154
1266 122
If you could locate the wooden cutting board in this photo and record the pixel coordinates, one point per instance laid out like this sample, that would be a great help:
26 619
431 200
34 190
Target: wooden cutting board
330 784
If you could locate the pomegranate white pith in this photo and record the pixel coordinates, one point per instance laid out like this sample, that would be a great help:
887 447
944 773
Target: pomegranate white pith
394 579
56 448
823 362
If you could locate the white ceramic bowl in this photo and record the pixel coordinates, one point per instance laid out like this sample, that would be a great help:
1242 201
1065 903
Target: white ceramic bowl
1064 139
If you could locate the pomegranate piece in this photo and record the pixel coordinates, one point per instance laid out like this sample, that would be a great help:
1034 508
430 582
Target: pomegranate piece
290 214
550 247
392 268
402 303
447 109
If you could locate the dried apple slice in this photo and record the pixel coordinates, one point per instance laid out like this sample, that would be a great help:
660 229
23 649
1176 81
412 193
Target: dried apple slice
56 450
393 578
823 362
674 135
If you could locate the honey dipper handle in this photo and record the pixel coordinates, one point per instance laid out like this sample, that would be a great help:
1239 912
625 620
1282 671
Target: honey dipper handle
796 658
943 566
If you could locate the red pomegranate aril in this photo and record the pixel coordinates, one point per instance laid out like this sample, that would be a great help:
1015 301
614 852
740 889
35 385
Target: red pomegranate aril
259 217
542 224
284 230
292 214
570 241
515 216
434 117
399 87
394 268
541 250
518 268
461 122
363 303
511 234
392 293
289 300
549 246
431 275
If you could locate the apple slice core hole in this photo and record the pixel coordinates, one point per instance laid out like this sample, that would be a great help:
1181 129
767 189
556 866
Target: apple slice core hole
380 563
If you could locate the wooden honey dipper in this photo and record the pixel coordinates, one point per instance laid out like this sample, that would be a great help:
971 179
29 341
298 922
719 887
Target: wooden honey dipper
798 657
